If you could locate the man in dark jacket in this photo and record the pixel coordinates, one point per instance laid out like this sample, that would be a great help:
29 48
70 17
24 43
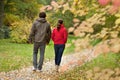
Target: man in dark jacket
40 34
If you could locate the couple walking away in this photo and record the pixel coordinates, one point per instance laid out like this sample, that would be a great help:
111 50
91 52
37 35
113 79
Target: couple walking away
41 34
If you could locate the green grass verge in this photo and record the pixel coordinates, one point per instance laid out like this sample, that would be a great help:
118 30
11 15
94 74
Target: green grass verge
16 56
110 61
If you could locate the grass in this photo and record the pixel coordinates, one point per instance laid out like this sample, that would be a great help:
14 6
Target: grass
16 56
110 61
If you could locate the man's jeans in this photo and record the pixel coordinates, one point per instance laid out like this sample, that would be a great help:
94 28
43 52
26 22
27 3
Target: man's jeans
42 46
59 49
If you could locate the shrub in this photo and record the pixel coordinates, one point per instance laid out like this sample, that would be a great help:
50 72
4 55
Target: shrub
10 18
45 2
4 32
20 31
1 33
67 18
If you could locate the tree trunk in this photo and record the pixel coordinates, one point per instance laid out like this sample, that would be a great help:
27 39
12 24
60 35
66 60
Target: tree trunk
1 12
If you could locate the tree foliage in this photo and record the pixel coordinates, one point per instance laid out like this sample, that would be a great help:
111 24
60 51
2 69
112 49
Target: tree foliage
95 20
19 11
90 20
1 17
20 31
22 8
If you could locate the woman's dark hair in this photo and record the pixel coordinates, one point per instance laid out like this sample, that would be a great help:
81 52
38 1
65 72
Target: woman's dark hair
42 14
60 21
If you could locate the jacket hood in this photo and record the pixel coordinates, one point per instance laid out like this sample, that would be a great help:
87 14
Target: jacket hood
42 20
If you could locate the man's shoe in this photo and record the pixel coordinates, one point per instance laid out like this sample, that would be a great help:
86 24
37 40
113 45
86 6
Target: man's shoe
34 69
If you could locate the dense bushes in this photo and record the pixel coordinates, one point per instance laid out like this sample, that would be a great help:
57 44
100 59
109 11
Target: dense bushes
44 2
20 31
4 32
22 8
67 17
10 19
94 20
1 33
18 14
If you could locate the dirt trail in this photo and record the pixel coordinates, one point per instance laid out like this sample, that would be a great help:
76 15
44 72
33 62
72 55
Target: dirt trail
48 73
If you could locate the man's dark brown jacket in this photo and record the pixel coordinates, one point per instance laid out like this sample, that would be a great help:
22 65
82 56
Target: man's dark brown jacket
40 31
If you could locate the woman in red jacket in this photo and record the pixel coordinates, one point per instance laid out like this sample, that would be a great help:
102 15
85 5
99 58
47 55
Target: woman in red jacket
59 37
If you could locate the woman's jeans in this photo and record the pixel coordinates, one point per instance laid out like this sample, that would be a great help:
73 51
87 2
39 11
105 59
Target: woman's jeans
37 46
59 49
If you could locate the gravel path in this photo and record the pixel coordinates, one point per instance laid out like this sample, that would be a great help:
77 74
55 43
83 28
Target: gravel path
48 73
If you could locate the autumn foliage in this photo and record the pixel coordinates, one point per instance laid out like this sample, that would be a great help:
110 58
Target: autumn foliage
88 20
93 20
115 5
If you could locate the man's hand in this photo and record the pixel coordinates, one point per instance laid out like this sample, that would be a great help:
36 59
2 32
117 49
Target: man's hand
47 43
29 41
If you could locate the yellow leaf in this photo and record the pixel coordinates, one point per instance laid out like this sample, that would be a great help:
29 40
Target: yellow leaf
75 0
117 15
117 21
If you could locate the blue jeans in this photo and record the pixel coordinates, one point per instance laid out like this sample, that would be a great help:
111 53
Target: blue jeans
37 46
59 49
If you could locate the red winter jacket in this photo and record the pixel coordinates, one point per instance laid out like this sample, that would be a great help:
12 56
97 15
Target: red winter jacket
59 37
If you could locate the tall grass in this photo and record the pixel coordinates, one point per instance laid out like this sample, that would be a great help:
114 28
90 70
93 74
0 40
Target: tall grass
16 56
